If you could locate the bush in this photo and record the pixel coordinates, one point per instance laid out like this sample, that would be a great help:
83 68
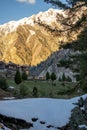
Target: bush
84 85
64 63
69 79
78 77
3 83
24 76
23 90
35 92
60 79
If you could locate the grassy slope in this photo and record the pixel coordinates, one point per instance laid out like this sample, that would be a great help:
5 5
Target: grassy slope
46 89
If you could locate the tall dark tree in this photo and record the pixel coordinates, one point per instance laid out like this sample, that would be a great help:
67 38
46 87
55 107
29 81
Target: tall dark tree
17 77
47 76
3 83
53 76
63 77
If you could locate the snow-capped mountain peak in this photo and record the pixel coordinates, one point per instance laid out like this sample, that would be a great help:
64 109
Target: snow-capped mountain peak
32 40
47 17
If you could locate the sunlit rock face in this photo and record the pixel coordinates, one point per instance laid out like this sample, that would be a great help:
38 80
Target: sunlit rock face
32 40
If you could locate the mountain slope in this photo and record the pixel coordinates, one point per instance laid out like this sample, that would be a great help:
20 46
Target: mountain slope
32 40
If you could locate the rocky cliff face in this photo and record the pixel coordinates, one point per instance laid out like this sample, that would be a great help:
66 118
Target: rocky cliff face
32 40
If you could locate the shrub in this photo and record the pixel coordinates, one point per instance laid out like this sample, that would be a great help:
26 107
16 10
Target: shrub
23 90
24 76
35 92
60 79
78 77
64 63
3 83
69 79
84 85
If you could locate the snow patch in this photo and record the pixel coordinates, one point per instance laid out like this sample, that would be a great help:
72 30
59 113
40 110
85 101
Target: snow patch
54 112
9 98
82 126
48 16
32 32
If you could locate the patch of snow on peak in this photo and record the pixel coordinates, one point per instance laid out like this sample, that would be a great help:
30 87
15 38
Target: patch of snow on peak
47 17
12 25
32 32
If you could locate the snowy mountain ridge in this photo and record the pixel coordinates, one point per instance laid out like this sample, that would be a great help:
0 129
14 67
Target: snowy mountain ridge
31 40
47 16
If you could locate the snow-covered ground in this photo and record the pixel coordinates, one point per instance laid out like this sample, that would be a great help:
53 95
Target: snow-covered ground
55 112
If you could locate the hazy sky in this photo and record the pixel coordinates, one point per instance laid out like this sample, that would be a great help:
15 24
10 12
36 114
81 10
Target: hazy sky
17 9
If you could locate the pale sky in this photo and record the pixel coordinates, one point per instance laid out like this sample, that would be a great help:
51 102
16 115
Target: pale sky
17 9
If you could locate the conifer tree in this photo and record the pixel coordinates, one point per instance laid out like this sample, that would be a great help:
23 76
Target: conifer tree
17 77
47 76
53 76
63 77
3 83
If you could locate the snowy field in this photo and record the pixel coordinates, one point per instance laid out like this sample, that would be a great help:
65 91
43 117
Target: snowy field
55 112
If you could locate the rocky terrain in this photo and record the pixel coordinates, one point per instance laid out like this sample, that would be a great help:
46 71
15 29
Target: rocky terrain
32 40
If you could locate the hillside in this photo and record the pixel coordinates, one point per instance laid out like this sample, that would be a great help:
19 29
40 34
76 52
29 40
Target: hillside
32 40
70 60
